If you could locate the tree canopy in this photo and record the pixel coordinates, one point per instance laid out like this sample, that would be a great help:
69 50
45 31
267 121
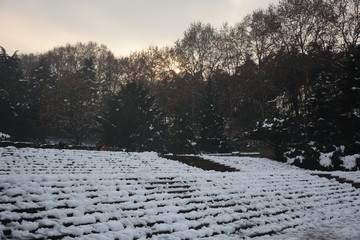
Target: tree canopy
287 76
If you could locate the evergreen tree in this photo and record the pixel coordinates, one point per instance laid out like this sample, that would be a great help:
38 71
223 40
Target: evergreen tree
8 78
182 138
42 84
329 119
347 101
13 107
212 138
132 121
150 128
180 98
321 126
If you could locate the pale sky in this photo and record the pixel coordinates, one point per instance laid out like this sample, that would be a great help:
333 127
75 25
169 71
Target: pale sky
124 26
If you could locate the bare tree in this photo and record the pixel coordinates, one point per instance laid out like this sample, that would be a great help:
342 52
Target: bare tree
348 21
234 45
298 24
263 26
75 106
198 50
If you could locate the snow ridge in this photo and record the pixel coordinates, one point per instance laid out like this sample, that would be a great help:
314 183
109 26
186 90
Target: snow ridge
70 194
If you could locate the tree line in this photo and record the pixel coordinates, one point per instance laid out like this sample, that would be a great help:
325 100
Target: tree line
287 75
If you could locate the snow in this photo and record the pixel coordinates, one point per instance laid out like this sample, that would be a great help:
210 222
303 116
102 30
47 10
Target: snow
351 176
107 195
325 159
349 162
115 226
4 136
270 125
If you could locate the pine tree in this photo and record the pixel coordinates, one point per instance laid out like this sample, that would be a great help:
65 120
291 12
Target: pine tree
132 120
212 137
42 79
8 79
332 112
13 105
182 139
42 84
321 126
150 128
347 104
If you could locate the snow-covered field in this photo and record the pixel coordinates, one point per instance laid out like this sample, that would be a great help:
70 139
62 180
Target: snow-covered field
66 194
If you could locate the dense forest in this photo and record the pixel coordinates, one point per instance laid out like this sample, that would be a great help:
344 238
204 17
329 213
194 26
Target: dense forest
287 76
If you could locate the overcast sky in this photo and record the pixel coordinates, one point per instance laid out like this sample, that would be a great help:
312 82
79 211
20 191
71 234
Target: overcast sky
35 26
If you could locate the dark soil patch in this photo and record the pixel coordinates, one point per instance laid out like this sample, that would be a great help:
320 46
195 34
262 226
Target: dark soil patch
223 206
339 179
150 235
29 210
198 227
181 191
187 210
202 163
165 182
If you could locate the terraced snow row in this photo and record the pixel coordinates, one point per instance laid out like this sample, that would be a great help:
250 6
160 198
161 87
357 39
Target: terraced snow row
108 195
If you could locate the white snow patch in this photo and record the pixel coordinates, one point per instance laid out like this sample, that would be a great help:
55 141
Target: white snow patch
325 159
4 136
349 162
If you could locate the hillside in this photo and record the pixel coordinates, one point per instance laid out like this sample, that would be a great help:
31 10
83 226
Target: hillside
75 194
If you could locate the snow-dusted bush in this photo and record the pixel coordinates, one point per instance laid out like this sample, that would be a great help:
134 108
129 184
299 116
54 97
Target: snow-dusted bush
4 136
323 132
